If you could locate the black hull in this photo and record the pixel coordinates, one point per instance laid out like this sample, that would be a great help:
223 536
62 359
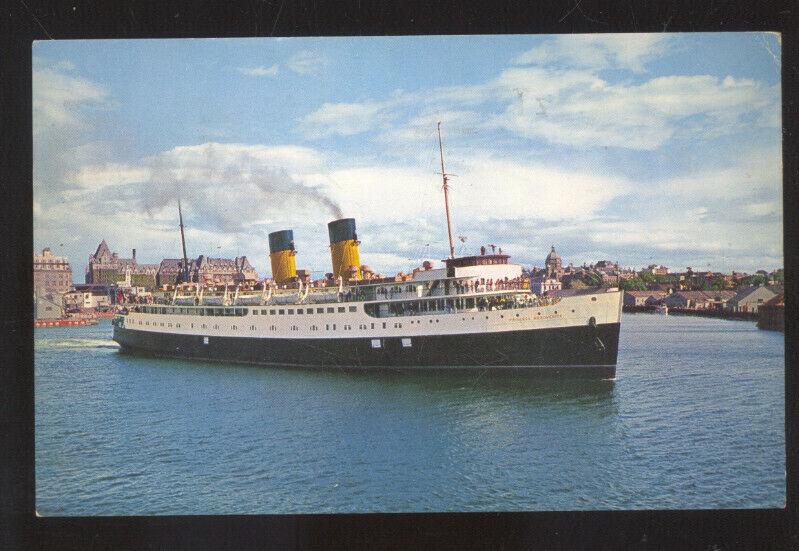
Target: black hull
579 351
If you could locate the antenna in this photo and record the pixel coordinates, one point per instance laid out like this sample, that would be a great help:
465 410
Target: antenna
183 242
445 176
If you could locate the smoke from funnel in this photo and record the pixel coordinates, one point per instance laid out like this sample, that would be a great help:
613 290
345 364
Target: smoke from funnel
229 191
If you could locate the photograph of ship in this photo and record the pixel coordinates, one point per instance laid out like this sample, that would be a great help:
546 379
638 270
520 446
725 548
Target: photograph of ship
404 274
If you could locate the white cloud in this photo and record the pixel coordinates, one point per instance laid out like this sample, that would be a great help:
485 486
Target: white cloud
92 177
65 65
770 208
57 98
345 118
307 62
756 173
597 51
589 112
259 71
569 107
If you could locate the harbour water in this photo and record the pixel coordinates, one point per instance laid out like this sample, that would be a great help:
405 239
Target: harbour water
695 419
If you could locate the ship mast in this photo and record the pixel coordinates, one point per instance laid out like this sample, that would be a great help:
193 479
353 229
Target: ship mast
183 242
444 176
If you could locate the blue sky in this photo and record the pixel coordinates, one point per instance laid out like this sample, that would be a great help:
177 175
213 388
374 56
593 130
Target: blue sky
648 148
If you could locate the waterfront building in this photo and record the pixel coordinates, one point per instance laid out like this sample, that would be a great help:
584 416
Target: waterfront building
748 299
699 300
771 314
105 266
643 298
48 306
51 273
88 297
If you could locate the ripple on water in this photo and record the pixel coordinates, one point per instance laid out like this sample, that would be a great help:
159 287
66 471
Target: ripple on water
694 420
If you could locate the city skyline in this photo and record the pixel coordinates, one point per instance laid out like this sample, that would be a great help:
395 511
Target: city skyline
625 147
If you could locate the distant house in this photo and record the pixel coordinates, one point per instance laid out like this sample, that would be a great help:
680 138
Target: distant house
661 287
657 269
643 298
749 299
655 299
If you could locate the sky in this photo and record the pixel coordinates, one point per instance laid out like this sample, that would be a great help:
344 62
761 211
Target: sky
636 148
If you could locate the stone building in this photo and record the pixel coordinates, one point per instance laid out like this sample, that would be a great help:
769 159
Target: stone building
209 271
107 267
548 280
553 264
51 273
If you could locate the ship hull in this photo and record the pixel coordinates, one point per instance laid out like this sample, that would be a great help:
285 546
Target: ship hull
573 351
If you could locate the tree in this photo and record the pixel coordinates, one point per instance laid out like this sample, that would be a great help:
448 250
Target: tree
646 277
633 284
718 283
757 279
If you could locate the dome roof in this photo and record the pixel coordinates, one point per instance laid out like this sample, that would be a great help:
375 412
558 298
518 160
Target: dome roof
553 255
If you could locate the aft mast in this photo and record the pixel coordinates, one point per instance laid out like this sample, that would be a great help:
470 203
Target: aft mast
445 176
183 242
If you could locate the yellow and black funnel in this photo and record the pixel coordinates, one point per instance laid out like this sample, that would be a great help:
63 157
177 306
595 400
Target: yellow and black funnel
344 249
281 255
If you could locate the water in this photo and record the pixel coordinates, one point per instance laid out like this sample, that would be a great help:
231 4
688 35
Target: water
695 419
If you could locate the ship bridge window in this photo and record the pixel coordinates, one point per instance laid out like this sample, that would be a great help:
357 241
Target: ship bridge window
281 311
299 310
255 312
291 311
330 310
341 309
271 312
309 311
353 308
320 310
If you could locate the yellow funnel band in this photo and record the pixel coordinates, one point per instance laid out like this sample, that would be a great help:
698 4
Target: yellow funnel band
345 257
284 266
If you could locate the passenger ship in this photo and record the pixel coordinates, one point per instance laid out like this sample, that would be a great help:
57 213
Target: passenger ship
476 313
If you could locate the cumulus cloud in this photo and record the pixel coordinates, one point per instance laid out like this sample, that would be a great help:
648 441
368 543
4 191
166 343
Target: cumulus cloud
597 51
572 107
307 62
58 98
345 119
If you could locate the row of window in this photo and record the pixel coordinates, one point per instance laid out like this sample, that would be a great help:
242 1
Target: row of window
290 311
217 311
452 305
